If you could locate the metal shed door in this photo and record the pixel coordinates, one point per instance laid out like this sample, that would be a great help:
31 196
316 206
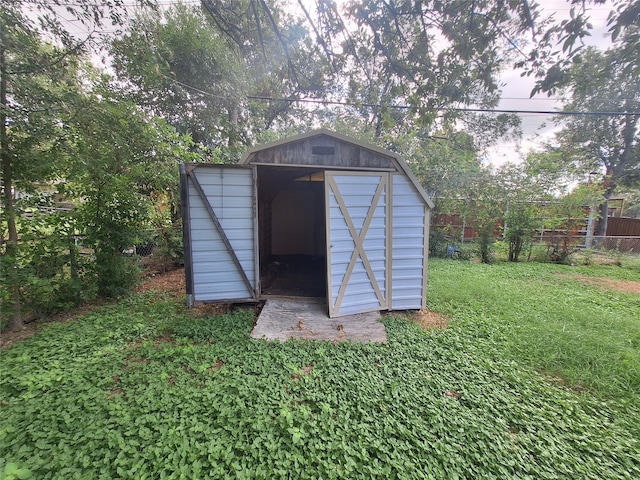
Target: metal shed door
220 242
357 206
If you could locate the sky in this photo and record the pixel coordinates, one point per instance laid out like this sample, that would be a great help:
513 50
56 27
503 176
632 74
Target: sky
538 129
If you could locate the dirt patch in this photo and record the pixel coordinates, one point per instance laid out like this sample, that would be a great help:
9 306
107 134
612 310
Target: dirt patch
216 366
115 392
559 381
210 309
452 394
306 370
429 320
626 286
172 282
9 338
166 338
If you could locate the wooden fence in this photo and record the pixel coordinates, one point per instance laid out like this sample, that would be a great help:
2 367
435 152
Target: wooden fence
623 227
622 233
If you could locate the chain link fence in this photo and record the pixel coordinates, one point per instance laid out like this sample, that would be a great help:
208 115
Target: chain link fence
561 245
620 244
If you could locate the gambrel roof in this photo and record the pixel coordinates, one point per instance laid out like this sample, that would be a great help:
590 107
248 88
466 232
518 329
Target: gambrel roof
325 149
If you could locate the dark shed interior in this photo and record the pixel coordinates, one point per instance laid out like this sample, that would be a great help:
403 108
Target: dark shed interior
292 238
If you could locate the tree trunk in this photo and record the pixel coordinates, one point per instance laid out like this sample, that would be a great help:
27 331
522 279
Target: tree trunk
233 127
601 224
13 280
603 209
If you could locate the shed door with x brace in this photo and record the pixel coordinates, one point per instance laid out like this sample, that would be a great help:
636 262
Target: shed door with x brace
357 206
220 240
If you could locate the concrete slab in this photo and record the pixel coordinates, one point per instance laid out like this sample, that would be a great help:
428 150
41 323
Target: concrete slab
307 319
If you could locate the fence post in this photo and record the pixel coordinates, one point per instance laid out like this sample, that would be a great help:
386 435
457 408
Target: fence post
464 227
589 238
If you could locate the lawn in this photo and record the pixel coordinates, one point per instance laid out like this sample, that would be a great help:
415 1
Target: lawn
537 375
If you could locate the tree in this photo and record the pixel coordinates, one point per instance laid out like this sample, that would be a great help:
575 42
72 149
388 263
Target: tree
603 144
484 208
400 64
174 65
35 81
41 94
445 163
184 66
566 216
118 156
418 62
521 198
561 44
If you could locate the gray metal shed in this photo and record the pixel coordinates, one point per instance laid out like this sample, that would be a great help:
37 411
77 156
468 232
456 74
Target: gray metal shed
319 214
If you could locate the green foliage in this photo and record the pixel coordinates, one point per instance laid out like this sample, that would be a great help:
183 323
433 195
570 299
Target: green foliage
146 388
170 245
47 294
567 216
71 139
197 71
445 164
166 51
484 208
552 65
216 328
52 273
11 471
551 320
438 243
521 221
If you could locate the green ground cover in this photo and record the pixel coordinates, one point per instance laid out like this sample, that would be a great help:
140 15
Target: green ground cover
536 376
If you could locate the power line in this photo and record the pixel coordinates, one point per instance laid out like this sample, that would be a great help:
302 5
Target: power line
319 101
455 109
202 92
128 4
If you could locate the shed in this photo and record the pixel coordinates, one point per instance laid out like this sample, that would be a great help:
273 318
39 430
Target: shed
315 215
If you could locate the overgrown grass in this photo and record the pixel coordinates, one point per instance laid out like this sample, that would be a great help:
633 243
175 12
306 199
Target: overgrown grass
586 335
144 389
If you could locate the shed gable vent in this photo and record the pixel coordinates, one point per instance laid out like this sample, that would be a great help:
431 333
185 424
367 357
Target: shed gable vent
319 150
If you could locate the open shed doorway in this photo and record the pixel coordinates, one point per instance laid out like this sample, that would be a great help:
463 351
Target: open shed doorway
291 225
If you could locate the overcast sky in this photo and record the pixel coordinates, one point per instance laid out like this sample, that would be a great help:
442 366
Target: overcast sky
515 93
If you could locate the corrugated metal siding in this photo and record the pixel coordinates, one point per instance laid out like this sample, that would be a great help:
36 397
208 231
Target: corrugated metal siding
230 192
357 192
408 246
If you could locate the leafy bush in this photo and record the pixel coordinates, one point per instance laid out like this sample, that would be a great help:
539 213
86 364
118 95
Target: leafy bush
115 274
53 276
438 243
484 247
170 246
539 253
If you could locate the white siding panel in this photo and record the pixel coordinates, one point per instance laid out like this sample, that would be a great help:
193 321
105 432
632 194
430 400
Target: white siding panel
408 245
230 193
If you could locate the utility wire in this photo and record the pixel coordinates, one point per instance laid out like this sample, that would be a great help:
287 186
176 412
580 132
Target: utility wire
455 109
319 101
202 92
